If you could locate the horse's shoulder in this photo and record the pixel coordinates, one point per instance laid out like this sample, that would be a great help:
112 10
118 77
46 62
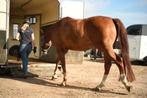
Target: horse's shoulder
98 18
66 21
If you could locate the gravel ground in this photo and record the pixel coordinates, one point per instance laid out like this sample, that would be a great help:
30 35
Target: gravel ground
82 78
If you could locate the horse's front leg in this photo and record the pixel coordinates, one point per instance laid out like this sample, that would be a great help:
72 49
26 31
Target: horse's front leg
63 64
107 67
64 72
55 70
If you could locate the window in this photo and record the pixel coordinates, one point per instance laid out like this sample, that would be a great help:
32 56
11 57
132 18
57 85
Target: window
134 30
31 20
15 30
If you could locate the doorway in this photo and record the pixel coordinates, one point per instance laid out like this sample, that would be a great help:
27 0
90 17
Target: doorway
43 12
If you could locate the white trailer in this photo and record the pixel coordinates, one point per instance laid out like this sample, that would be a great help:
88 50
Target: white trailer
4 29
137 37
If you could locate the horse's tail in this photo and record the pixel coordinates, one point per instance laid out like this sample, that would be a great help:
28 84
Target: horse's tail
122 33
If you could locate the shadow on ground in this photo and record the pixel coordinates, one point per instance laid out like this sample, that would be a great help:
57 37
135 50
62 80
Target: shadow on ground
14 73
135 62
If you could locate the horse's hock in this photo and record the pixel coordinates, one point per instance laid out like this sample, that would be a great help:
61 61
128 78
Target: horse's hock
72 57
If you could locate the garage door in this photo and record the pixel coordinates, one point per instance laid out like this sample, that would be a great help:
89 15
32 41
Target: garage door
4 25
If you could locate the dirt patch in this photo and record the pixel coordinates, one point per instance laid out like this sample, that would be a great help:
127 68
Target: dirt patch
82 78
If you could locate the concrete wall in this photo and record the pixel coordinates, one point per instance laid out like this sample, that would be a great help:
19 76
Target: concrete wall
72 57
49 12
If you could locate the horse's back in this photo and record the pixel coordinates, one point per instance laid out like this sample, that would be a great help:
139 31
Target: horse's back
100 23
81 34
101 30
72 34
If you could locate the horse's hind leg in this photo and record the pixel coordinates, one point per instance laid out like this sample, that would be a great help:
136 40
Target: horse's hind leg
107 67
119 62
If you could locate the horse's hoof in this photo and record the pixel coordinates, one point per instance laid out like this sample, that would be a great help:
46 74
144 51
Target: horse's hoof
54 77
129 88
97 89
63 84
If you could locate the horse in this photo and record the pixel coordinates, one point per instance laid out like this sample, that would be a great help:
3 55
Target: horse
97 32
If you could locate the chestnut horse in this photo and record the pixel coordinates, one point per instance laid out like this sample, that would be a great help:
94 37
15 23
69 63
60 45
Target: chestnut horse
97 32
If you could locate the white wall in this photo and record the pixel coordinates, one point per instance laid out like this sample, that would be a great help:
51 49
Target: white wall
72 8
2 14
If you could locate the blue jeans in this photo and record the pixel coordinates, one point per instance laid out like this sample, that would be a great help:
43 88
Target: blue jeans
25 50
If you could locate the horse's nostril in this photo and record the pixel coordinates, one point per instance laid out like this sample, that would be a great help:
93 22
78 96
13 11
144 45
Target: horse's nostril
44 51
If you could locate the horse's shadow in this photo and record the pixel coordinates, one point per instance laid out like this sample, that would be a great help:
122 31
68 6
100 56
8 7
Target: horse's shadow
38 81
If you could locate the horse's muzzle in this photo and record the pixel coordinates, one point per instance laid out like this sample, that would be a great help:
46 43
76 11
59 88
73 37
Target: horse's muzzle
44 51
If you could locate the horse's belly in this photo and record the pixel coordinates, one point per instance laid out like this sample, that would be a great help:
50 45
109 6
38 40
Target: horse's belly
77 42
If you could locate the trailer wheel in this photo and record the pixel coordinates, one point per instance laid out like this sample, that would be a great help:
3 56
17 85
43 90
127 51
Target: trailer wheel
5 71
145 60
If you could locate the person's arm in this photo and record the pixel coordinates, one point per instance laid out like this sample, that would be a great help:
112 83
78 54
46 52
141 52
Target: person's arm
17 36
33 43
33 39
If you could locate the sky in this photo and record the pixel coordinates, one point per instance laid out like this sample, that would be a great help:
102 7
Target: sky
129 11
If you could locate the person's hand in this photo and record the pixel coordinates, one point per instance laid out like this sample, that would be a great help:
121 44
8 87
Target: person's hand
35 49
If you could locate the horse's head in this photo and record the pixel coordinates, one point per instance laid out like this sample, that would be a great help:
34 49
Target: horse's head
46 42
46 47
48 33
46 39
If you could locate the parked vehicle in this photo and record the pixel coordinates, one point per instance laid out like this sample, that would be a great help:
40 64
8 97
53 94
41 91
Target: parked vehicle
137 37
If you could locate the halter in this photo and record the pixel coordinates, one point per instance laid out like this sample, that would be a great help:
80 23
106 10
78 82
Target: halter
49 44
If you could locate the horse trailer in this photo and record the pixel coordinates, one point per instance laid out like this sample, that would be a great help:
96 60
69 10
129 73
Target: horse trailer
137 37
4 31
40 13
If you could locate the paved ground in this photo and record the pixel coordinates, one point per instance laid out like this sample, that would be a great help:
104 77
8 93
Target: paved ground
82 78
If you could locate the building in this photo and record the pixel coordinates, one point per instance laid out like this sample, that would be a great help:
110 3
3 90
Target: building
41 13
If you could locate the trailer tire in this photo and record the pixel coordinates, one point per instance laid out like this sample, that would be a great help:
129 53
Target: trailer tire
145 60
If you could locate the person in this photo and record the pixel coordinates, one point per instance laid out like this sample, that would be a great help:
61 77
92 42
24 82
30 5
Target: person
26 37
